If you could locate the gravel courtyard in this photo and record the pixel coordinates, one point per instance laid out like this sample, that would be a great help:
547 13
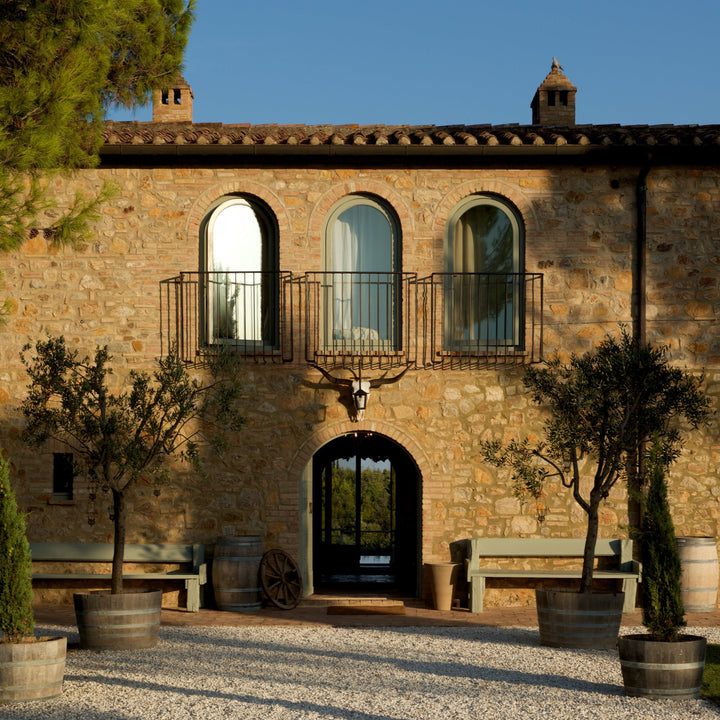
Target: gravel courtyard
288 673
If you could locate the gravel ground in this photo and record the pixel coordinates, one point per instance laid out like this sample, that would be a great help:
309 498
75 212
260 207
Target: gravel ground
404 673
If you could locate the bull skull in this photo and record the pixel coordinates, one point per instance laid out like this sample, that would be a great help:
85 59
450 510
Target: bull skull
359 388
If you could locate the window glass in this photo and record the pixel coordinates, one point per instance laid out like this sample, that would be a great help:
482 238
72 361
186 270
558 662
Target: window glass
361 299
242 287
483 286
63 475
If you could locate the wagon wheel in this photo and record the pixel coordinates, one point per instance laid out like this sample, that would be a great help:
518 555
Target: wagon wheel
280 579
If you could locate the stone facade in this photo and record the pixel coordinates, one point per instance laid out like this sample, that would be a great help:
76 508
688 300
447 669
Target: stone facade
580 221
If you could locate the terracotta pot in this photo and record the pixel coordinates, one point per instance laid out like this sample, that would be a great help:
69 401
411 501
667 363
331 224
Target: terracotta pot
443 577
570 619
32 670
126 621
666 670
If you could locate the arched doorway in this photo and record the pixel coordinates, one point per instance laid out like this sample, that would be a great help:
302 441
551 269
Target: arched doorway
366 516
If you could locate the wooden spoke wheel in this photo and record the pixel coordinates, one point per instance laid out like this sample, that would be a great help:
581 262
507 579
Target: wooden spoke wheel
280 579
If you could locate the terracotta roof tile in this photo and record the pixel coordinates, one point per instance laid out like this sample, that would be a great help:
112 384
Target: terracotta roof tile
422 136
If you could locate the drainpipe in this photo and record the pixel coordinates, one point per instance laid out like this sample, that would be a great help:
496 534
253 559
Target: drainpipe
639 272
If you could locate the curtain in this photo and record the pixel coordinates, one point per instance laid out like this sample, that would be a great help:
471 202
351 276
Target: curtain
362 261
481 302
237 278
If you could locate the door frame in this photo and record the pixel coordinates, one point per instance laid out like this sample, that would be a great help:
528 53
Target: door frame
306 524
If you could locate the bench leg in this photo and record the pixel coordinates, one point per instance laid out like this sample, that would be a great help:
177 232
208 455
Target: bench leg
193 594
477 593
630 589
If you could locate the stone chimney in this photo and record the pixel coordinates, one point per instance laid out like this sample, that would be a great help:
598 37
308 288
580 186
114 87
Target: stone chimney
174 103
554 101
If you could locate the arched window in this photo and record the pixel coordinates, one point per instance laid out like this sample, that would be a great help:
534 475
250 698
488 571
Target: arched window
241 279
484 265
361 261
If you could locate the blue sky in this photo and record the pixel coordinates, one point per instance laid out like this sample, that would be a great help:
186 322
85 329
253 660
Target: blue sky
422 62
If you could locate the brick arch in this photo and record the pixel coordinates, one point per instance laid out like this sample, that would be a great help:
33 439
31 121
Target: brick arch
479 187
360 186
329 432
199 210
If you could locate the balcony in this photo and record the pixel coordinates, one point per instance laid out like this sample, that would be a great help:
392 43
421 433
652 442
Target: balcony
249 313
476 320
353 318
350 319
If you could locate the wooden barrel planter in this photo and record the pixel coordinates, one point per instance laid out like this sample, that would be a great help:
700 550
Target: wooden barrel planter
663 670
126 621
236 573
571 619
699 578
32 670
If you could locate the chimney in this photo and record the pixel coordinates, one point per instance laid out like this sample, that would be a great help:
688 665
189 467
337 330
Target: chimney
174 103
554 101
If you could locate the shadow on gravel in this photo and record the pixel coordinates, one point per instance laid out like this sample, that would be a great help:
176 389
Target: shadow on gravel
333 711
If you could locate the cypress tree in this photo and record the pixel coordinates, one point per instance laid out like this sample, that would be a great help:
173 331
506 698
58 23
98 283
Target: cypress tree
16 615
663 612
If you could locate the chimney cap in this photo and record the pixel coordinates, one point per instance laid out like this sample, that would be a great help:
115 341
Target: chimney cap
554 101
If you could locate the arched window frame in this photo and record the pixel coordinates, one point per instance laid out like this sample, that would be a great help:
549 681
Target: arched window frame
254 290
484 307
361 300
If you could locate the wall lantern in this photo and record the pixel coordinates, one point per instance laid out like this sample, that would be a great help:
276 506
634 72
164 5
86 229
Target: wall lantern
360 395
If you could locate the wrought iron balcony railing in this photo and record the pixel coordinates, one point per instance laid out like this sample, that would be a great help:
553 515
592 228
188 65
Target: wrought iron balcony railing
480 319
249 313
356 319
351 317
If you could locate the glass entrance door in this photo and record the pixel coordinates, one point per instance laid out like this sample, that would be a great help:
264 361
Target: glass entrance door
365 508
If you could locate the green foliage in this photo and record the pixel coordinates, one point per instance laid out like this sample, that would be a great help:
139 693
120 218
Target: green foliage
376 487
602 408
62 64
118 437
16 615
663 612
711 674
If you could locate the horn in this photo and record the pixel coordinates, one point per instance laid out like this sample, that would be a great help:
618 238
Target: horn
384 380
342 382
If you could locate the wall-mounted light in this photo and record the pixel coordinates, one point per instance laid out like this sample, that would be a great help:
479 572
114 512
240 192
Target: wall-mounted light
360 395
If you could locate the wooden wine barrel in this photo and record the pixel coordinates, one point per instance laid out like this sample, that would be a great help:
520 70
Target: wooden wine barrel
579 620
668 670
699 576
32 670
126 621
235 573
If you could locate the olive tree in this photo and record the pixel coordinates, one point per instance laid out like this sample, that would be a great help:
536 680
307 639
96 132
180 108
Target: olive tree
602 409
117 437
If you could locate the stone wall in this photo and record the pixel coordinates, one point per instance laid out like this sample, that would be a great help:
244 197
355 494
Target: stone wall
579 231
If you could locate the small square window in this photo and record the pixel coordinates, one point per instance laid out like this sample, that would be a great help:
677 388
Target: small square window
63 475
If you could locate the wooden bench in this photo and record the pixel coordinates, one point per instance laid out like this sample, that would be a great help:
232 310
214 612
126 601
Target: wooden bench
194 577
478 549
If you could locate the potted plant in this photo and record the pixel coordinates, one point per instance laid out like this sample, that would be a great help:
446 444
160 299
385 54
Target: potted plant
118 437
602 408
664 663
31 668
